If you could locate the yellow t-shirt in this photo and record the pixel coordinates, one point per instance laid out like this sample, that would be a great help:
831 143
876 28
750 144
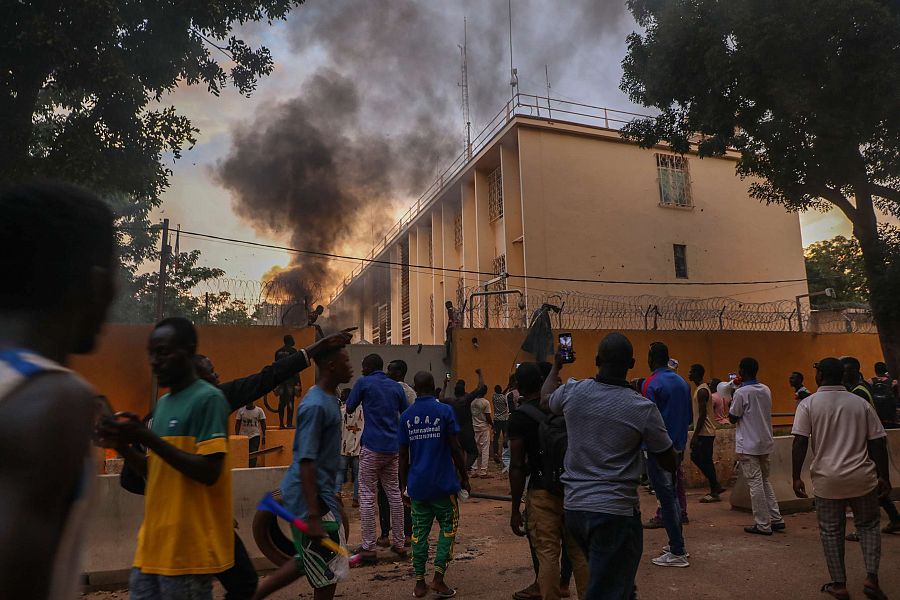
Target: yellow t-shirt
187 527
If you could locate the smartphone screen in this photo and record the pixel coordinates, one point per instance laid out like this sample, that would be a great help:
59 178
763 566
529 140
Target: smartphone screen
565 347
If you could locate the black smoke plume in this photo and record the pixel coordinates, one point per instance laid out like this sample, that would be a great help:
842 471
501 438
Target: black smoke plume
372 126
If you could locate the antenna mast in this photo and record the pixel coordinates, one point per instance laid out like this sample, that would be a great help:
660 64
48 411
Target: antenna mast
464 84
513 72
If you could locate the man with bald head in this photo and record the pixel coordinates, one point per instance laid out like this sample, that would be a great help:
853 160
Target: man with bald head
602 472
432 469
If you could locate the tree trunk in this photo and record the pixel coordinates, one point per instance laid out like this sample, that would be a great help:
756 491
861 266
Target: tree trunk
885 306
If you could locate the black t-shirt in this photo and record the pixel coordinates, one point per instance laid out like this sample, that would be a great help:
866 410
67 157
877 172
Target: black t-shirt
523 427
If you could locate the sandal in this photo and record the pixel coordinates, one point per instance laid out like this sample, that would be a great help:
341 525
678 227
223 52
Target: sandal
874 593
526 595
450 593
852 537
709 499
827 589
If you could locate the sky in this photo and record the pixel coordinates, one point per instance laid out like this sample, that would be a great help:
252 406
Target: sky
355 81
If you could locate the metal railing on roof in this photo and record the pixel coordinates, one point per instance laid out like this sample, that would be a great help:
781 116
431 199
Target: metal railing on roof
521 105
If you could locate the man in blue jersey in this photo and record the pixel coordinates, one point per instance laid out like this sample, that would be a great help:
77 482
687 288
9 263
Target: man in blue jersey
432 468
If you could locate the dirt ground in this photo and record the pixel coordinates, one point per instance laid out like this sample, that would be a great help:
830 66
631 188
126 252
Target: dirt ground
725 562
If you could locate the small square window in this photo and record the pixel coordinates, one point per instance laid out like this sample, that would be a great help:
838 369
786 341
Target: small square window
681 270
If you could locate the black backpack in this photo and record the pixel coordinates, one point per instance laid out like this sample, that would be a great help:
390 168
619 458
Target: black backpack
554 443
883 400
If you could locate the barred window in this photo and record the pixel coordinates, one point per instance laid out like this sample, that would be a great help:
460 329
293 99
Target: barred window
460 291
498 266
431 309
458 229
430 250
674 180
495 194
681 269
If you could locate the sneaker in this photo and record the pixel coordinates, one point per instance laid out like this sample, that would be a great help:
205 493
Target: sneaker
780 526
756 530
667 559
654 523
668 549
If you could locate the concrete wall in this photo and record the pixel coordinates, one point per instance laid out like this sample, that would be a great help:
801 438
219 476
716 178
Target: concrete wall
782 479
719 351
117 515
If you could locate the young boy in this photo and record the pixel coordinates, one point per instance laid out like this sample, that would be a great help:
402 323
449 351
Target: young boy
251 421
309 487
431 458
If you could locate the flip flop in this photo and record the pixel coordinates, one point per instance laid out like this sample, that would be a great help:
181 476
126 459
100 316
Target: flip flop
874 594
448 594
827 590
524 595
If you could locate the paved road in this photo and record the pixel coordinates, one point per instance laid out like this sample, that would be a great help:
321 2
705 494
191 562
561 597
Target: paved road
725 562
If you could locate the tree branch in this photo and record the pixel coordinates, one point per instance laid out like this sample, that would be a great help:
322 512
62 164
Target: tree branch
885 192
832 195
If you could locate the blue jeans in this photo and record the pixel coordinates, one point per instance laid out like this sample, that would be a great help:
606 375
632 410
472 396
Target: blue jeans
144 586
613 545
353 463
664 485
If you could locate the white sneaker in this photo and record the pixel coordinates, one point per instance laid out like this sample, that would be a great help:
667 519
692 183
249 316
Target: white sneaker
669 550
667 559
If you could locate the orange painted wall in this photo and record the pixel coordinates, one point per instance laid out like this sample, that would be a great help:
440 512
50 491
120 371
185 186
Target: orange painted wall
119 368
719 351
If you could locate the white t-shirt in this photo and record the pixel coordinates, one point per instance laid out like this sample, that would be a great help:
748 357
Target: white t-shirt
249 420
410 393
752 402
838 425
480 408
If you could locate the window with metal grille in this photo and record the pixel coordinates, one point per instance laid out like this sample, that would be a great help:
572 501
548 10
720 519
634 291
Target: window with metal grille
674 181
495 194
430 250
404 292
460 291
498 266
457 229
681 269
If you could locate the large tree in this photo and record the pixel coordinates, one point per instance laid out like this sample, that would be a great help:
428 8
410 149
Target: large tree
806 91
81 84
837 264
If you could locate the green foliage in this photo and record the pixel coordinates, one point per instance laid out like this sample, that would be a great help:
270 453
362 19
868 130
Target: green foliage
82 84
836 263
806 91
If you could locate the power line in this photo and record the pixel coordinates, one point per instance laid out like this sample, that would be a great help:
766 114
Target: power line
334 256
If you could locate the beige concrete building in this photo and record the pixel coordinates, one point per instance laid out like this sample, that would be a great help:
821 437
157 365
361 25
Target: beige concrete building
561 202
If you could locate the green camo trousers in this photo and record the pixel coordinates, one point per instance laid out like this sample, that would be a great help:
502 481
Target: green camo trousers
446 511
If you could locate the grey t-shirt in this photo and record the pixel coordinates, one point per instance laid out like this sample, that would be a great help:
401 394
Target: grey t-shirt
607 421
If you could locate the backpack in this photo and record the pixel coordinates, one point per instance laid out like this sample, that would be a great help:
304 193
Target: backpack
883 400
554 443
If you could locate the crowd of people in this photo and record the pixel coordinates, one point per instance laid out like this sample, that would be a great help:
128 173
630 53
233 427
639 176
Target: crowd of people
411 450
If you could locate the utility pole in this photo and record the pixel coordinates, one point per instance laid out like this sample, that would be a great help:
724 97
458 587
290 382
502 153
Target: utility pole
163 272
464 84
547 73
161 295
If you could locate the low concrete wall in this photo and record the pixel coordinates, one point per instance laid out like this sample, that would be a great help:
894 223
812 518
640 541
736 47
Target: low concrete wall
782 482
117 516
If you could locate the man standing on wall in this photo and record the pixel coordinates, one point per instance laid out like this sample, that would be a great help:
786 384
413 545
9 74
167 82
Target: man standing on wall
461 402
251 422
704 438
432 468
382 401
751 413
287 390
187 533
672 396
57 263
849 467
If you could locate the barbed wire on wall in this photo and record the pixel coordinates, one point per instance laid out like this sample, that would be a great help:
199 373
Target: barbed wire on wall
580 310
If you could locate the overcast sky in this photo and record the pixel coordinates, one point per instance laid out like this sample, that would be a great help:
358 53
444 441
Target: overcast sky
357 79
